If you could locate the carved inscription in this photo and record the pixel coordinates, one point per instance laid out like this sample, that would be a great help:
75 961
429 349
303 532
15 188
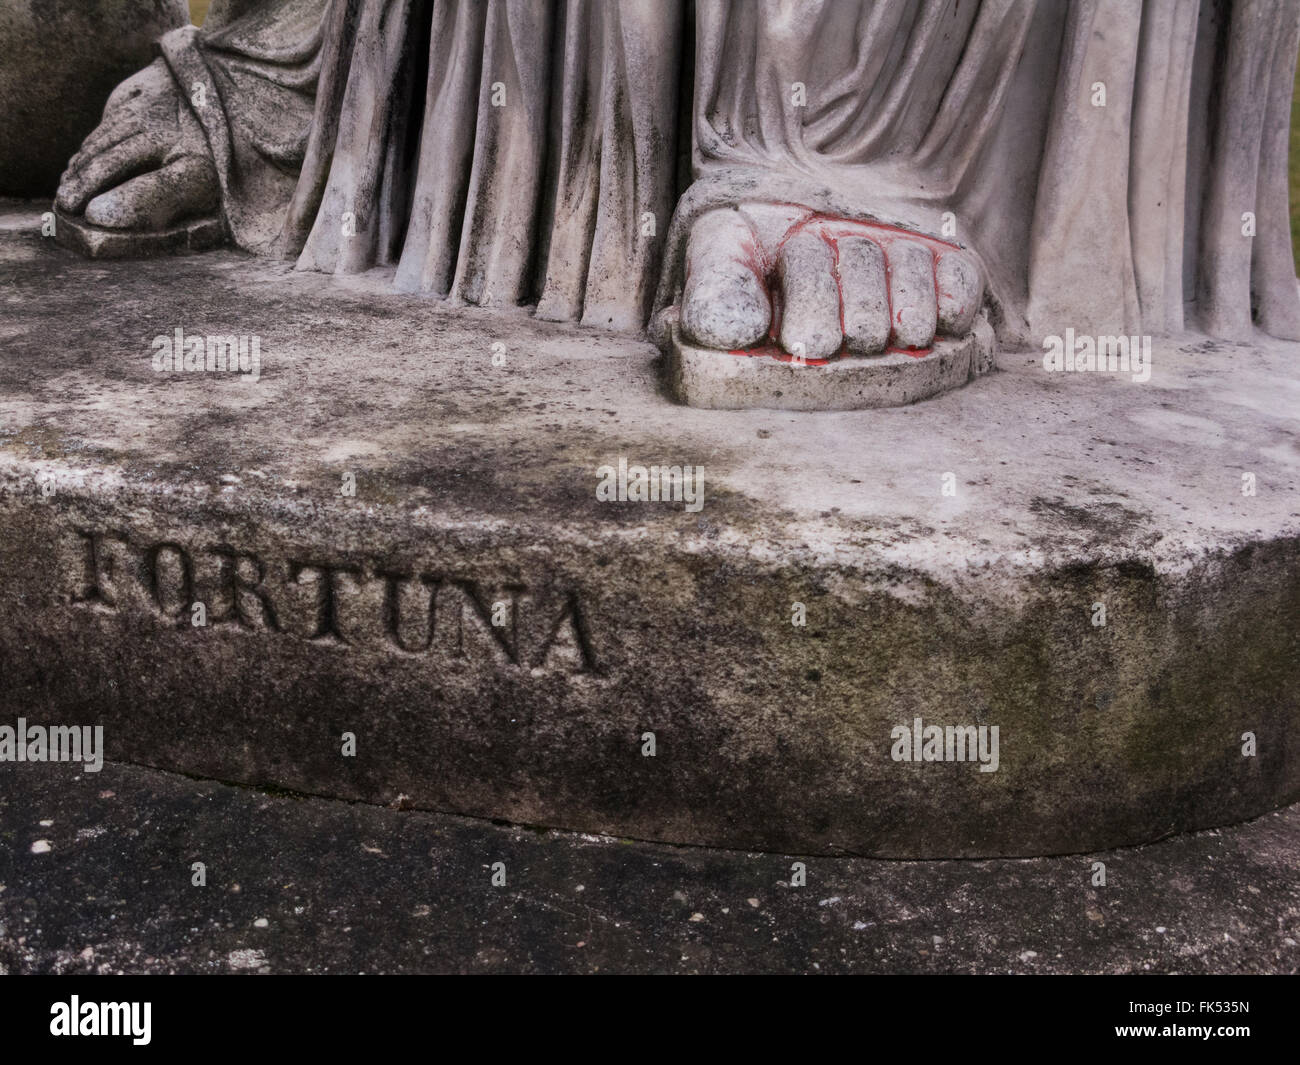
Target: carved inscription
406 609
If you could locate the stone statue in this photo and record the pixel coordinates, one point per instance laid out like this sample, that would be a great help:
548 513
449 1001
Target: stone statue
1042 614
833 180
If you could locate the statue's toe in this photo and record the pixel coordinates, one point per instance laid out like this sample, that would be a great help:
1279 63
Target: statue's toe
960 292
725 308
912 300
93 174
864 291
810 297
156 200
724 302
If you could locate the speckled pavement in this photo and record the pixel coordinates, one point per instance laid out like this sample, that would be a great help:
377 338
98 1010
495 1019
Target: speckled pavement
96 870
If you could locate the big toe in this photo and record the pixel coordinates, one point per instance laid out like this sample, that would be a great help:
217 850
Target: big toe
724 303
725 308
157 199
960 291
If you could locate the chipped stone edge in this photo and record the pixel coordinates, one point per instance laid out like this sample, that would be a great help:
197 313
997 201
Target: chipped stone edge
719 380
95 242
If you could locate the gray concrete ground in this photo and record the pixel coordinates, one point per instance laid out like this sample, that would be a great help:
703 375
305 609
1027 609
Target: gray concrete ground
95 876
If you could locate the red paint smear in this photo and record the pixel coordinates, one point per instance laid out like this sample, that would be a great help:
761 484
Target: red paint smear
773 350
833 228
849 227
845 227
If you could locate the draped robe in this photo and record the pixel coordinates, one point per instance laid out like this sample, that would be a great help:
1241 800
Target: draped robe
1101 157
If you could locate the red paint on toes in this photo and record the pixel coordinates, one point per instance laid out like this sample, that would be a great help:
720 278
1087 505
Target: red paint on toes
831 230
773 350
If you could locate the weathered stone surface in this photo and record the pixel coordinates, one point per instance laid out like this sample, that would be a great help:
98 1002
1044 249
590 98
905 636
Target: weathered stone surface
95 242
724 305
912 296
958 288
865 296
298 884
61 62
720 380
810 297
477 481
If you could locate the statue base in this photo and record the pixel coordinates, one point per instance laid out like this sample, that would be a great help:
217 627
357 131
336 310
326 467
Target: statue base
95 242
381 568
772 380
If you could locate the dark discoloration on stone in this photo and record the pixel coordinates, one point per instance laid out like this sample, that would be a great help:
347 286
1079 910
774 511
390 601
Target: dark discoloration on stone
973 608
95 242
355 888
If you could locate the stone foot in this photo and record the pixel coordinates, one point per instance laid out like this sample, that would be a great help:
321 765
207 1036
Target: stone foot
146 166
818 287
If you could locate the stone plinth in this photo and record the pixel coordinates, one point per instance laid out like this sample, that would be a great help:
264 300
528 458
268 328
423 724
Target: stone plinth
948 558
96 242
770 379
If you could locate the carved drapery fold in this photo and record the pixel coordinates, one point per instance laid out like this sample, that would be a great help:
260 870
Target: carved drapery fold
526 151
